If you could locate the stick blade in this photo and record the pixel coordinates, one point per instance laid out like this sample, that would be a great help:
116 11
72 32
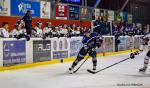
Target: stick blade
90 71
74 71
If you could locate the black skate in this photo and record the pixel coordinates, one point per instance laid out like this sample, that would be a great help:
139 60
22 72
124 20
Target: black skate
94 69
142 69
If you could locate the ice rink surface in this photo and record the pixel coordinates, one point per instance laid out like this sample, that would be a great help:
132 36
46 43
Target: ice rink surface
123 75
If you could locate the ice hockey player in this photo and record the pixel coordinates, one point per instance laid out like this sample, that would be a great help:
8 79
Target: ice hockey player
4 30
37 32
147 57
20 31
90 42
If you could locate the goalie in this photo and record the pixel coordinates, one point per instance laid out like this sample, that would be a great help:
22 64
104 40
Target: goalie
90 42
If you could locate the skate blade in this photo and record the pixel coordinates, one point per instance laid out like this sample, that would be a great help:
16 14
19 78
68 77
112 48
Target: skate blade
90 71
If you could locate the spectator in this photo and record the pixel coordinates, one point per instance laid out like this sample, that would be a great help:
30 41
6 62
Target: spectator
81 31
64 29
55 31
20 31
73 28
69 31
4 30
77 31
38 30
48 29
28 22
14 31
60 31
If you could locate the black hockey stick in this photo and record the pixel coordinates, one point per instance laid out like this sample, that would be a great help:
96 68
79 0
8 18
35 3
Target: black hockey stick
81 65
93 72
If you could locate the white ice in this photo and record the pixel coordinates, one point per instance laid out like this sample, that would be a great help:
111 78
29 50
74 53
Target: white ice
123 75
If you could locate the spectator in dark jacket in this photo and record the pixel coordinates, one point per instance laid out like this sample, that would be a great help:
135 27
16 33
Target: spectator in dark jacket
28 22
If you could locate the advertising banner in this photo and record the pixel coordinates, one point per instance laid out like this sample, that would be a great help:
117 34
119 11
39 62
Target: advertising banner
130 18
41 50
60 48
61 11
120 17
85 13
14 52
97 13
102 12
109 44
73 12
122 44
4 7
75 45
125 17
129 43
20 7
45 9
111 15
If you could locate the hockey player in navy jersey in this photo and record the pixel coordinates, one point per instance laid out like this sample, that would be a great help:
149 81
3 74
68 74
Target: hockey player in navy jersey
90 42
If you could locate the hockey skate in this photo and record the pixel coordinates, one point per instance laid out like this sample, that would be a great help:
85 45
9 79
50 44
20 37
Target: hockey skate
94 69
142 69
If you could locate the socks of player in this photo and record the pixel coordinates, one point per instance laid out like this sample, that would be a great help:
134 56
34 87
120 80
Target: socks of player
146 62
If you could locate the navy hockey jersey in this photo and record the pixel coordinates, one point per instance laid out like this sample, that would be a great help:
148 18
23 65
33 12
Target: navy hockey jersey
93 41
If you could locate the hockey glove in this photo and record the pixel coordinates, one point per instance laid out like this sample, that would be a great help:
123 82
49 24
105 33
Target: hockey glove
132 56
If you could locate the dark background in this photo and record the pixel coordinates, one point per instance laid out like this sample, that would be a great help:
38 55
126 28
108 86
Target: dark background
139 8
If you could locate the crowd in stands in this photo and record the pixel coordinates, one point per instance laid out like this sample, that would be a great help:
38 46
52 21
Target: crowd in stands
104 27
128 29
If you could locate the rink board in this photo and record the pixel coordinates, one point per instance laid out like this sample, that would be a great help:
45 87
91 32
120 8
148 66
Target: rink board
59 50
22 66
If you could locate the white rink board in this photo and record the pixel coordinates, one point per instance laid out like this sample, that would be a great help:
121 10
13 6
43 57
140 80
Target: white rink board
60 47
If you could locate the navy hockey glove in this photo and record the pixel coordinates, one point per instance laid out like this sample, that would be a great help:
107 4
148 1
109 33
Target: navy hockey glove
132 56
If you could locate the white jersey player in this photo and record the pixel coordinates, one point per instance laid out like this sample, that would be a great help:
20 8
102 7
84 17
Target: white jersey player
47 29
19 29
38 30
147 57
4 30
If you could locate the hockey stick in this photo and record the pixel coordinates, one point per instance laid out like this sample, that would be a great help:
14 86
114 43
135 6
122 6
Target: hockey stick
90 71
132 56
81 65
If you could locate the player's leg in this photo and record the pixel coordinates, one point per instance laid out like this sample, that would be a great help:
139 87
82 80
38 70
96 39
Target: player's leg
82 53
146 62
93 54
